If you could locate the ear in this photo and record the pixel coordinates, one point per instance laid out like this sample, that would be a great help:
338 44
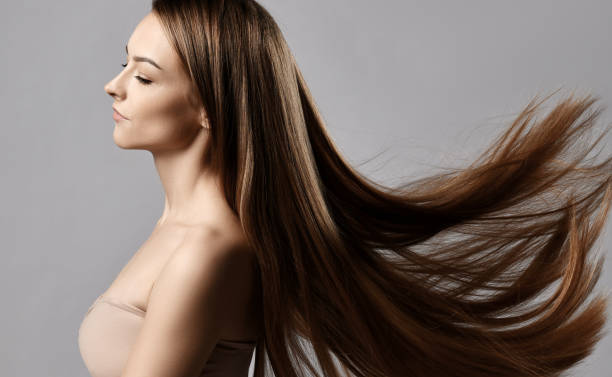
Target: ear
195 101
204 118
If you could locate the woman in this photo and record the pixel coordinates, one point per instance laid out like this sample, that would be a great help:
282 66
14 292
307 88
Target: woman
269 238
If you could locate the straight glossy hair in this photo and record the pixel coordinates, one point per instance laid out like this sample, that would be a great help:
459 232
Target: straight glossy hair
441 276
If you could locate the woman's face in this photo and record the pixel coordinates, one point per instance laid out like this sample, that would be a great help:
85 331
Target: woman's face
157 98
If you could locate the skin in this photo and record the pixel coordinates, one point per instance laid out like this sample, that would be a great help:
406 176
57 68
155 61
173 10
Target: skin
166 118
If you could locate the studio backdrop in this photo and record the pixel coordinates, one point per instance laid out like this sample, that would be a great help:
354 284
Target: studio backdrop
405 87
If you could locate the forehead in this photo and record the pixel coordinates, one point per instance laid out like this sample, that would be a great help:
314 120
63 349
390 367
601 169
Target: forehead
148 39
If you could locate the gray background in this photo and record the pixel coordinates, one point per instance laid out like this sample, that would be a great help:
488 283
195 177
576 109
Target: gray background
413 84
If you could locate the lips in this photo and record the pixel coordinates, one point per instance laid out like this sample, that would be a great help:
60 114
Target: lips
118 113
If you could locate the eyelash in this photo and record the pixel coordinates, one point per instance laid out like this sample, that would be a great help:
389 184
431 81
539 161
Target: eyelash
143 81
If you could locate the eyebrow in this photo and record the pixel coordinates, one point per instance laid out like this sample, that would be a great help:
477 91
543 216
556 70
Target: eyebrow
143 59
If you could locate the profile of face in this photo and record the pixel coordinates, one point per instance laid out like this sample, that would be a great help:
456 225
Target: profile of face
154 94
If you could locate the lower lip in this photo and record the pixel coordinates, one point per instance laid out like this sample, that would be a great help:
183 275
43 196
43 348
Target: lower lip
117 117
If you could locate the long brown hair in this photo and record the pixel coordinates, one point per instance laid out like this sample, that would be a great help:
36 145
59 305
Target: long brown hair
440 276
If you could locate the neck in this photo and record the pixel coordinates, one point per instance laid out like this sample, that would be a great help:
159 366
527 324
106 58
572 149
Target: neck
193 193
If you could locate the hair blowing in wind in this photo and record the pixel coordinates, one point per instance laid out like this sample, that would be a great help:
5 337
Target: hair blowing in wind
441 276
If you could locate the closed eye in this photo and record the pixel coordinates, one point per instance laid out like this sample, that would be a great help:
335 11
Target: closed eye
142 80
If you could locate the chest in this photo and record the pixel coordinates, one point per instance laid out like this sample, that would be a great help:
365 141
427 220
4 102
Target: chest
134 281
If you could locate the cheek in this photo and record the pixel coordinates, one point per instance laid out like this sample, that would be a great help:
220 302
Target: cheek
170 114
162 122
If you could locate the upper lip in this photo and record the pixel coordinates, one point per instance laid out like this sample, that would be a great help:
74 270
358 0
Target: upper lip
119 112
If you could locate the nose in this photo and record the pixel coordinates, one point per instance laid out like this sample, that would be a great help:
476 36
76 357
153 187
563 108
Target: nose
113 89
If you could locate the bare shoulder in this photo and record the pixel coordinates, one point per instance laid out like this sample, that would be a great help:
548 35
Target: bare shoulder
209 239
207 248
207 251
220 265
191 306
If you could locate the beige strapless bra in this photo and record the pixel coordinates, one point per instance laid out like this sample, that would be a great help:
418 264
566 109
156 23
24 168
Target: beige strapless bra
109 329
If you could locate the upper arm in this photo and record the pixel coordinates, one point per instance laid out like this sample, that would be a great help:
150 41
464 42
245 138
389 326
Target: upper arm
186 312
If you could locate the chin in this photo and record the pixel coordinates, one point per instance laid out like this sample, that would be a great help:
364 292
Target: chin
122 140
122 143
